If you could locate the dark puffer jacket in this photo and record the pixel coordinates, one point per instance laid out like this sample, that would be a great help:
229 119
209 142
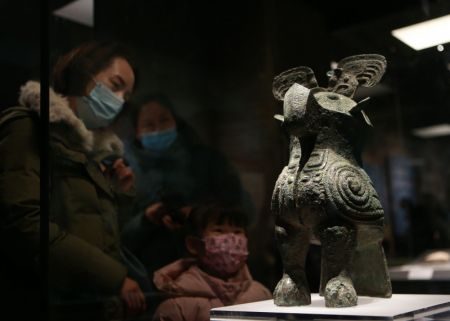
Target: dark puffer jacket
84 257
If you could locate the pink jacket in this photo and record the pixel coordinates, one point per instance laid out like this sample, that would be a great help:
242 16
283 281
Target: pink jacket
196 292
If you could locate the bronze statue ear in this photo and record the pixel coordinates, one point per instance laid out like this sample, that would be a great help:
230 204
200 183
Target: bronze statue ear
368 69
301 75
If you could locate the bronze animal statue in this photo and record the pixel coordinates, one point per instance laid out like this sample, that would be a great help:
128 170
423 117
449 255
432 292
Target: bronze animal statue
323 195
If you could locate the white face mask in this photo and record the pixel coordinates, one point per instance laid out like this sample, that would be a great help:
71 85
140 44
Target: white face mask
99 108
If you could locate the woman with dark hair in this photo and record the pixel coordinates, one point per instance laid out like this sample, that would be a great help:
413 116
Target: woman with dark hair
174 171
88 178
88 174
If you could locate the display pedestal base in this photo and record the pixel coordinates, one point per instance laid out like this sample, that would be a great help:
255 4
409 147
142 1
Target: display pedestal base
400 307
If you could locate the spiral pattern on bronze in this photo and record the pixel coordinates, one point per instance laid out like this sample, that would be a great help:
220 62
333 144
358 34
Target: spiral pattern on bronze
368 69
351 192
301 75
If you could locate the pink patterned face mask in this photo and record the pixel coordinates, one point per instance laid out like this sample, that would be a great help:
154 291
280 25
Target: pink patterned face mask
225 254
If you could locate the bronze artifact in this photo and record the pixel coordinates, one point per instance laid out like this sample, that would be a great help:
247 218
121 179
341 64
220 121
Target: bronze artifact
323 195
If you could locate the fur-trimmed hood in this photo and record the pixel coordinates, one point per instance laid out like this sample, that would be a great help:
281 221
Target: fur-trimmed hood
61 115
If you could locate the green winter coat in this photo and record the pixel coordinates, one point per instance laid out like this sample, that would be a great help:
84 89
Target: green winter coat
84 259
83 203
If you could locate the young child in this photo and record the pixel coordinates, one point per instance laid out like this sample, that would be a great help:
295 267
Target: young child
216 275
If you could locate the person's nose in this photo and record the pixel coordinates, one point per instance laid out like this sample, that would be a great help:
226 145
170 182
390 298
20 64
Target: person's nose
121 95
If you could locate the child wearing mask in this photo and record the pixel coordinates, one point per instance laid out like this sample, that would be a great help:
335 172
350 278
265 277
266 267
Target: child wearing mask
174 170
216 275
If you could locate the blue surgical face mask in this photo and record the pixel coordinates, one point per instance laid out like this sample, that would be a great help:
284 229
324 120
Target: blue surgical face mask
99 108
159 141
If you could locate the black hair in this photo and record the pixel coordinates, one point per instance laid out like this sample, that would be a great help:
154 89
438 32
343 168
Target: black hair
203 215
159 98
73 71
187 133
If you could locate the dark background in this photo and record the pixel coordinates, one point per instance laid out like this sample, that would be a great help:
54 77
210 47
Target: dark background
217 59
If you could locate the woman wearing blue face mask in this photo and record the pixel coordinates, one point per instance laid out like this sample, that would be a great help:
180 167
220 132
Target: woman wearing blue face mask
156 128
173 171
89 177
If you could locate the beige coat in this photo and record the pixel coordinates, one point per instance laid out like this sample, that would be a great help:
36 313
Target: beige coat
196 292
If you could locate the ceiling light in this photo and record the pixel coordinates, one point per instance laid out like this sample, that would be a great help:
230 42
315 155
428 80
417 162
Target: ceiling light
80 11
440 48
425 34
432 131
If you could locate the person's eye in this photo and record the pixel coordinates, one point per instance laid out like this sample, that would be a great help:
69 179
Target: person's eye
147 125
115 86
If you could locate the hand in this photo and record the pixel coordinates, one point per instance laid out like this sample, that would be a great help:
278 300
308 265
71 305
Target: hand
134 299
156 214
186 210
123 175
153 213
169 222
